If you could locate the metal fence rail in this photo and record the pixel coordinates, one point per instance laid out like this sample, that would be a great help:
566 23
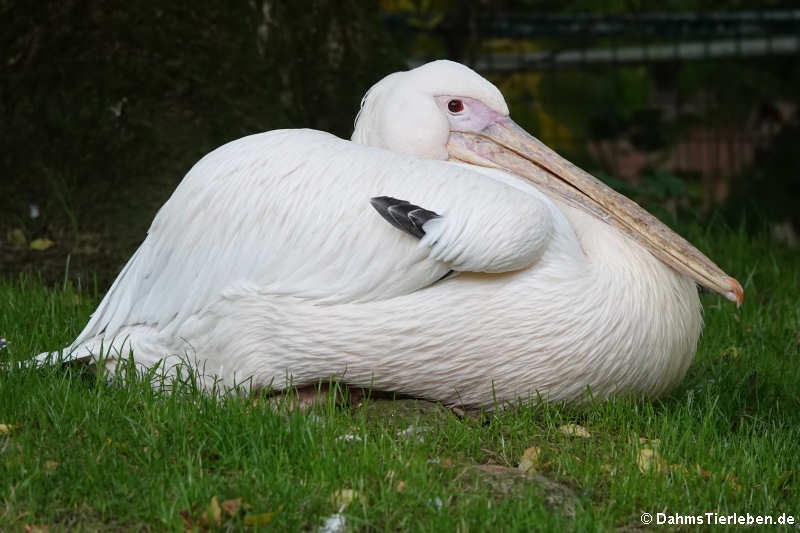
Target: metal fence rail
575 39
709 133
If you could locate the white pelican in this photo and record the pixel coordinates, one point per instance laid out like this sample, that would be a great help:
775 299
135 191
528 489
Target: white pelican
503 272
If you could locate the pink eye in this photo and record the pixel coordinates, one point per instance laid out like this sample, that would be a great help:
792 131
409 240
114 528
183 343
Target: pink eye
455 106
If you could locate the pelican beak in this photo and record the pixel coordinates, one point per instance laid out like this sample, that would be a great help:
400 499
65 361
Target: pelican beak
505 145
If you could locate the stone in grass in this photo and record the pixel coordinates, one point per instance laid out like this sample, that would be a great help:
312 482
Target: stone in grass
404 412
506 482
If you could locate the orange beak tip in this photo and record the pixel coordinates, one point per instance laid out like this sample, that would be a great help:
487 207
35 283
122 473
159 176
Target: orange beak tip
736 294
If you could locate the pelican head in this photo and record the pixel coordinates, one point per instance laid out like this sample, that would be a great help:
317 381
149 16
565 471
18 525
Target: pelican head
444 110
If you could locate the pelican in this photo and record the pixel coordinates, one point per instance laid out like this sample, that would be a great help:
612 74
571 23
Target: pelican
443 252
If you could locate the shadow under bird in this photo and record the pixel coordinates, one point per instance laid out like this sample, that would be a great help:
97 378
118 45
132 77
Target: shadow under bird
443 253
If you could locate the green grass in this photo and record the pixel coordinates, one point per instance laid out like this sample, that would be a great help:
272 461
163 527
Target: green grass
85 454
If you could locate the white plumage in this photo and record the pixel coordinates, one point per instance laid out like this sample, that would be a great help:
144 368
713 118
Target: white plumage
269 263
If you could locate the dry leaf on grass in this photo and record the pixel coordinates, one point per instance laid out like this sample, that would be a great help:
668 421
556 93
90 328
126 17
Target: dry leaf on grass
530 459
17 237
187 519
41 245
733 481
675 467
705 474
232 507
260 519
343 497
212 514
5 429
33 528
574 430
650 462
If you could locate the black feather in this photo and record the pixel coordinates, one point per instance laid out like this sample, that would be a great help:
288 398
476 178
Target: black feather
403 215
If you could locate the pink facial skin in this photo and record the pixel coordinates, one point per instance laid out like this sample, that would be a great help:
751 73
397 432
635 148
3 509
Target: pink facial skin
471 116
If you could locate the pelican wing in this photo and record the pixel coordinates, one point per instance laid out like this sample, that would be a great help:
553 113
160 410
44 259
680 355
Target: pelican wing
289 212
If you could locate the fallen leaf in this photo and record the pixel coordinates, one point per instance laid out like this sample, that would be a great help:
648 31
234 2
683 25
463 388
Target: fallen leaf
343 497
650 461
653 443
41 245
678 468
401 485
232 507
33 528
5 429
17 237
212 514
530 459
259 519
186 517
705 474
574 430
733 481
51 465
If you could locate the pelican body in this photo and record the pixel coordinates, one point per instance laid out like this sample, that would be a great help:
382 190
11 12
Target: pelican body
442 253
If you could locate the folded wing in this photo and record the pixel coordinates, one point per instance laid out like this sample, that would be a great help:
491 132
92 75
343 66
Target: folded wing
290 212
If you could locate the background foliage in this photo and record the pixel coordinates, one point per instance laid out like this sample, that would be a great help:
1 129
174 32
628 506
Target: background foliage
106 104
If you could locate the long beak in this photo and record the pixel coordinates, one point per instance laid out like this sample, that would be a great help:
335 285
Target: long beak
504 145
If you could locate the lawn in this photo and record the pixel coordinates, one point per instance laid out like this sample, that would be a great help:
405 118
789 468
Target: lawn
80 453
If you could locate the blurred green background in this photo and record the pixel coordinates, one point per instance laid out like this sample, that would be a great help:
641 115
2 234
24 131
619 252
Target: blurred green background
691 107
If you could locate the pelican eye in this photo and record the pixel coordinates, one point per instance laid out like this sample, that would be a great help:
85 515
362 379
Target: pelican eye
455 106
